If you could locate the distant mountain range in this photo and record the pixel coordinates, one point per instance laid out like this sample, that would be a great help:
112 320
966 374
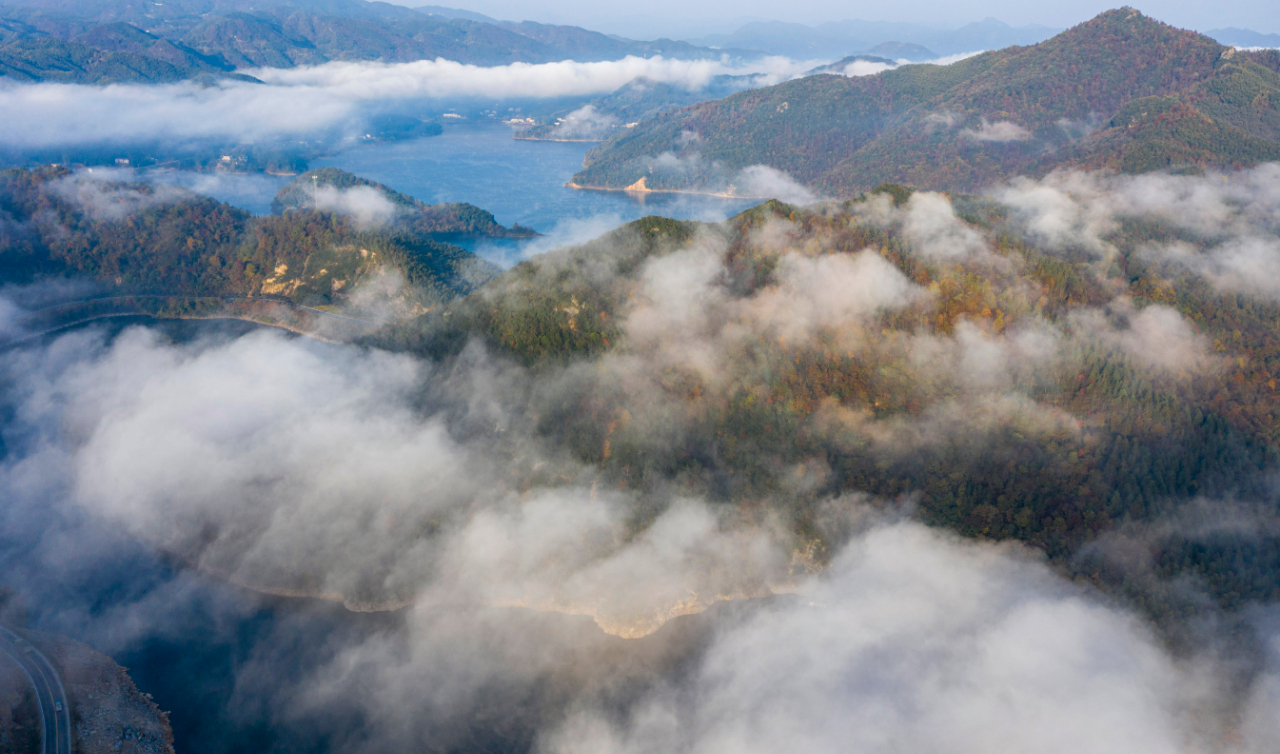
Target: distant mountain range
635 101
1122 91
837 39
438 10
101 41
1244 38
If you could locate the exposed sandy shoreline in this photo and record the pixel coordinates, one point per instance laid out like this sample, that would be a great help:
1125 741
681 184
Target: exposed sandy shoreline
639 188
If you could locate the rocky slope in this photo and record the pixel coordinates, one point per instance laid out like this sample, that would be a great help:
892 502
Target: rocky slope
109 715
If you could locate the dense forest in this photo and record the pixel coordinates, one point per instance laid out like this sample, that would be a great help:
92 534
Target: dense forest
946 353
755 401
1121 91
95 43
142 239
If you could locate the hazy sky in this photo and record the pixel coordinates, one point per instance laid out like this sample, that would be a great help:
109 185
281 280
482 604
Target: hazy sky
682 18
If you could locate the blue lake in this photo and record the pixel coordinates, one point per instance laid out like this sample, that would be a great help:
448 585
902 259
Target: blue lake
478 162
519 182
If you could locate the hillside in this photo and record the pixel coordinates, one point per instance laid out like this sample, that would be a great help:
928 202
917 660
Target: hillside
110 715
1084 388
898 344
38 45
635 101
95 42
983 119
158 240
42 58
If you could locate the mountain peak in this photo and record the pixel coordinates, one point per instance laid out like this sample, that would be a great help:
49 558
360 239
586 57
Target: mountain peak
1129 26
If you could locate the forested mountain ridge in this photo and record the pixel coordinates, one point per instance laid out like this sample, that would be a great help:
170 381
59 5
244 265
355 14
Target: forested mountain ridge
135 238
888 346
1008 377
111 53
121 41
963 126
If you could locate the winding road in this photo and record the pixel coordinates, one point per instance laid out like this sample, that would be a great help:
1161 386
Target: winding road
51 699
25 321
284 302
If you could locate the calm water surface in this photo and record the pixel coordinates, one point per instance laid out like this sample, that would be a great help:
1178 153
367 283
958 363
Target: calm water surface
479 163
519 182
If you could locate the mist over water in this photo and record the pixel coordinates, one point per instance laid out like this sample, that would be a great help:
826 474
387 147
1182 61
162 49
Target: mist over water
252 192
478 163
519 182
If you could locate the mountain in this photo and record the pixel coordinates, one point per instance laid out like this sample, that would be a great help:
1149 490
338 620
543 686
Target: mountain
835 39
102 41
43 58
840 66
933 353
1244 37
789 39
582 44
38 45
247 41
903 51
987 34
983 119
121 37
141 239
175 18
443 12
1104 436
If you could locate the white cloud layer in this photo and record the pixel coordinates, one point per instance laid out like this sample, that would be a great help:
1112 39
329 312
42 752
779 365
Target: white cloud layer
999 131
308 100
367 205
585 123
917 642
382 480
1230 222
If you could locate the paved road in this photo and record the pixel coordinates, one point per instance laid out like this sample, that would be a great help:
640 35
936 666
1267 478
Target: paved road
55 713
25 322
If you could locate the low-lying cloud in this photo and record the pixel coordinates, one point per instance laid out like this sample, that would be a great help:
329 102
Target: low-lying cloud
585 123
384 480
333 97
865 68
999 131
915 641
367 205
442 78
102 198
313 100
295 466
1225 224
766 182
